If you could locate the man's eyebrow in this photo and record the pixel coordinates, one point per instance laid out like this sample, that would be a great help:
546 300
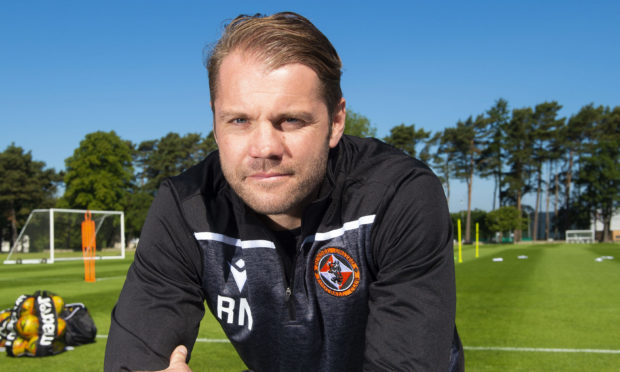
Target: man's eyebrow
230 114
302 115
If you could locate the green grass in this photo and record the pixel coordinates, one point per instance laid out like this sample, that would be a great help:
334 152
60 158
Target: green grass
61 253
67 280
559 297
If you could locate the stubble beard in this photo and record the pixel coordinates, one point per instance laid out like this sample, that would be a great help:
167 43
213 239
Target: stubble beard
269 199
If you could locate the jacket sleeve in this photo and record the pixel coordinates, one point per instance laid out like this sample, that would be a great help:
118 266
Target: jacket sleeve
162 302
412 303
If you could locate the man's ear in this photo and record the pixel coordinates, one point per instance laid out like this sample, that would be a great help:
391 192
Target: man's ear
338 119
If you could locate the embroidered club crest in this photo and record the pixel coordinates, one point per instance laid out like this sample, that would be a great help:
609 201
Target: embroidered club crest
336 272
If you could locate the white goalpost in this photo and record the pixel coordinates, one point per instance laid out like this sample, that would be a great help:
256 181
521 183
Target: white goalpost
579 236
51 235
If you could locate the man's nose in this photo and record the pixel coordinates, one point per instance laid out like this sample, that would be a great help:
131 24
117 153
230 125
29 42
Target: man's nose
267 141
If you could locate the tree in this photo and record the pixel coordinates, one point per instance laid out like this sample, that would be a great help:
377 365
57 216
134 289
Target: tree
505 219
155 161
466 148
442 158
492 156
137 203
358 125
599 174
99 173
407 138
577 133
477 216
169 156
518 147
480 217
24 185
555 151
544 124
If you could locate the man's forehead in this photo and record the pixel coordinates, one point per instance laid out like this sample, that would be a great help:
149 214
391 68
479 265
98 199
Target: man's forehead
241 79
260 61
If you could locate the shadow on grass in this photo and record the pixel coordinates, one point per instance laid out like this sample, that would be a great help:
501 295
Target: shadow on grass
490 294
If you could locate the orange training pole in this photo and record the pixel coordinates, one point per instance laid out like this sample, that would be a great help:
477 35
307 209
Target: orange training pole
88 247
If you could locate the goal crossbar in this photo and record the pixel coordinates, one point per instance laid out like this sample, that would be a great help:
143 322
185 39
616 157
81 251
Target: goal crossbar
52 257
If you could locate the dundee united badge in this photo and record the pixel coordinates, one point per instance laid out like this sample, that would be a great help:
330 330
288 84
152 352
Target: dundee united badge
336 272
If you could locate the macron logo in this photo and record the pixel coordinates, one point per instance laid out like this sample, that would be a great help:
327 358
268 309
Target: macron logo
239 274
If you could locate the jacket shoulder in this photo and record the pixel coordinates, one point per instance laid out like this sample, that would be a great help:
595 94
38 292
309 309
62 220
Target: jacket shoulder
372 160
203 178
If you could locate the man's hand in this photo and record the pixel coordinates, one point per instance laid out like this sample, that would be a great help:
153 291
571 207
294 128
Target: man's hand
177 360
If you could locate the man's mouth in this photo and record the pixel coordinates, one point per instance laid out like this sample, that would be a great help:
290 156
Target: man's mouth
268 176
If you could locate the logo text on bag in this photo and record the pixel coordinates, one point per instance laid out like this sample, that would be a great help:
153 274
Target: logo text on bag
48 320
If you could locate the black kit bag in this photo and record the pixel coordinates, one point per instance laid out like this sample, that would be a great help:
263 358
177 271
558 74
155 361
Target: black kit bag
81 328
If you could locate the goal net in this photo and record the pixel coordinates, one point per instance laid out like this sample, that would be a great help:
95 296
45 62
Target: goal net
51 235
579 236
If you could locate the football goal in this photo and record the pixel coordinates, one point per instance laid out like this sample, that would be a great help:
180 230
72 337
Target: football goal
579 236
51 235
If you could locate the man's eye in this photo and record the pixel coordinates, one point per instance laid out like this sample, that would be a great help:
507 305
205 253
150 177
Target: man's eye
293 122
239 121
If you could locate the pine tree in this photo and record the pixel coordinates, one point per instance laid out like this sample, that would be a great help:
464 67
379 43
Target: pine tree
492 154
599 174
544 122
467 140
518 147
407 138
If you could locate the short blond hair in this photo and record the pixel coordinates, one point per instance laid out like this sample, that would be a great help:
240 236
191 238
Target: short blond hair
278 40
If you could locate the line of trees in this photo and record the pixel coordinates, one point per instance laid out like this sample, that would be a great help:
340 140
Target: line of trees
527 150
572 163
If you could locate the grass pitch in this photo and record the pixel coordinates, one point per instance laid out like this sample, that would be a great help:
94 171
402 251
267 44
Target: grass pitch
559 303
556 300
66 279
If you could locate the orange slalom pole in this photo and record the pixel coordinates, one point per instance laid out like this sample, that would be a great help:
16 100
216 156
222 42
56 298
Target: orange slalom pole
92 247
88 247
85 244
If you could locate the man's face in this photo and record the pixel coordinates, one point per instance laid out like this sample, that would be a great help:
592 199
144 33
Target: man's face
272 130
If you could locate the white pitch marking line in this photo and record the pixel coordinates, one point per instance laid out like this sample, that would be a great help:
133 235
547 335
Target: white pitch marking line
482 348
541 350
110 277
214 340
208 340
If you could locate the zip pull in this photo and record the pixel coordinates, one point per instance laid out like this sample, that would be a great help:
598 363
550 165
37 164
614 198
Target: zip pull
290 304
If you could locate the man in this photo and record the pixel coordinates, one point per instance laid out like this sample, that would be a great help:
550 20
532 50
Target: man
314 250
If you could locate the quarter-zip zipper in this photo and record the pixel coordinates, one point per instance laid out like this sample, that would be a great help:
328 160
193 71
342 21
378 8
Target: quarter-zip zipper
290 304
288 284
288 264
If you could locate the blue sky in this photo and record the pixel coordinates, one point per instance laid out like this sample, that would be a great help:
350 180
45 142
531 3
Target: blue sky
68 68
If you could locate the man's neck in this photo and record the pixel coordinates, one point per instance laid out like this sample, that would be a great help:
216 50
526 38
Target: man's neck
282 221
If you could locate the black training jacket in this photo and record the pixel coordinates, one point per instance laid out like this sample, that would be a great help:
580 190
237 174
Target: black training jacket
372 287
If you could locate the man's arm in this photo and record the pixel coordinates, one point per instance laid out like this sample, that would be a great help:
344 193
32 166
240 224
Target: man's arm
161 304
413 301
